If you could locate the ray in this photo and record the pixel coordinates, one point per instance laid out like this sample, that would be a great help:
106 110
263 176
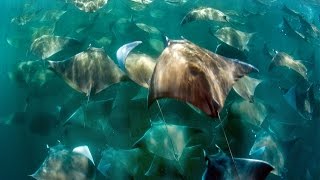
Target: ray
290 97
156 140
245 87
88 72
164 169
139 68
234 38
267 148
161 167
93 115
123 52
48 45
228 51
220 166
189 73
89 5
31 74
115 162
284 59
62 163
205 13
253 113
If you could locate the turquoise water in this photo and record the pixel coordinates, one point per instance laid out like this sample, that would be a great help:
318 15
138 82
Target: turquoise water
40 109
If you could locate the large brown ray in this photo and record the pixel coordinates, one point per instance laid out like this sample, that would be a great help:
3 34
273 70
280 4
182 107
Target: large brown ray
89 72
189 73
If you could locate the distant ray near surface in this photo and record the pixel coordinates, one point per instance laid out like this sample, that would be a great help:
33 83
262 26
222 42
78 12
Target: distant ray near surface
221 167
89 72
234 38
89 5
48 45
192 74
63 163
205 13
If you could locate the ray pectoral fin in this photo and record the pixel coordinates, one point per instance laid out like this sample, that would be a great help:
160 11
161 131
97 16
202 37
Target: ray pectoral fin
256 169
123 52
242 68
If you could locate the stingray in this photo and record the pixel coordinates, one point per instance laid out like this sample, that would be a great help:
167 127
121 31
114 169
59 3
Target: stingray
225 50
167 140
89 5
31 74
89 72
192 74
234 38
205 13
149 29
165 168
245 87
93 115
220 167
284 59
267 148
117 162
254 113
48 45
139 67
63 163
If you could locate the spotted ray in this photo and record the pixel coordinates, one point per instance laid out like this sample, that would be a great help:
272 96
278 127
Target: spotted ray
205 13
90 71
189 73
